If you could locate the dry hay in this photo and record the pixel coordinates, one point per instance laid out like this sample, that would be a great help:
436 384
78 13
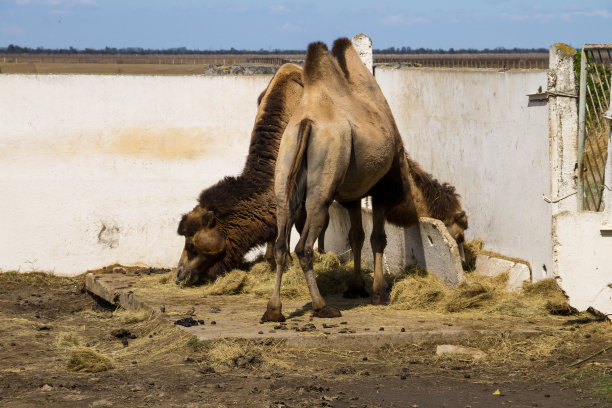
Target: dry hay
133 316
471 250
547 291
415 289
419 291
479 294
232 283
332 277
228 353
86 360
16 279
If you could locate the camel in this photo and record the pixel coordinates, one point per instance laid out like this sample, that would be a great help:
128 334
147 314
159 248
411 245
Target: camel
342 144
239 213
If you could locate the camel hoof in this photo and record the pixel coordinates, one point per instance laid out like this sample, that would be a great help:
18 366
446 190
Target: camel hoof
381 298
327 312
354 292
272 315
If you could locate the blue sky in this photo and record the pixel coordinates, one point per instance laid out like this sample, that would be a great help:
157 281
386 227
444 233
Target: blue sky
270 24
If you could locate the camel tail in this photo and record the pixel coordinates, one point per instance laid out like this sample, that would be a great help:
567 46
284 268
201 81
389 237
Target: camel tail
296 181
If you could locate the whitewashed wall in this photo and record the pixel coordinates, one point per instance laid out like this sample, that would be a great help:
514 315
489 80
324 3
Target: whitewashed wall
97 169
476 130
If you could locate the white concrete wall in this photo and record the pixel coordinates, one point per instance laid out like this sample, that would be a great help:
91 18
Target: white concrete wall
476 130
583 256
98 169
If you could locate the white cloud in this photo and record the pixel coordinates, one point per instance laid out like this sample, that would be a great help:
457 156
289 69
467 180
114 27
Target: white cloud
550 17
22 2
277 9
291 27
393 20
399 19
596 13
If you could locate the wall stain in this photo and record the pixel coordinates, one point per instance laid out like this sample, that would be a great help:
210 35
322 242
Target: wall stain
109 236
164 143
168 143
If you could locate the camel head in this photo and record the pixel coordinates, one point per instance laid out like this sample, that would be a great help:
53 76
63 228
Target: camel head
205 245
455 225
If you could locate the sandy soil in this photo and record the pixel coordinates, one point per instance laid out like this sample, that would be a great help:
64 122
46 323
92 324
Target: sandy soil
43 320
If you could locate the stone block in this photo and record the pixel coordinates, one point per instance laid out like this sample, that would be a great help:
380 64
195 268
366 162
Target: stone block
492 266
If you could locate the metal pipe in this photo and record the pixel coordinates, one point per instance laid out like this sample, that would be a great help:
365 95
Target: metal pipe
581 126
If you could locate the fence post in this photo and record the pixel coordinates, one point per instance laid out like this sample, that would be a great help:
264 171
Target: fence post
563 127
581 121
363 46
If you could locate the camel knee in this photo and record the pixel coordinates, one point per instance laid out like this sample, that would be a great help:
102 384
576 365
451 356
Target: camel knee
280 252
305 255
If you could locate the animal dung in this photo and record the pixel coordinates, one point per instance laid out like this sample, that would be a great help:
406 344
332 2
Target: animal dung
187 322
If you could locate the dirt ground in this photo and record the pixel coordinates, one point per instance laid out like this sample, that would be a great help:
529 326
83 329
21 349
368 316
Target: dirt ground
46 320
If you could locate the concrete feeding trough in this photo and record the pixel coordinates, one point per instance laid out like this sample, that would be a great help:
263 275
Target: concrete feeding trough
428 245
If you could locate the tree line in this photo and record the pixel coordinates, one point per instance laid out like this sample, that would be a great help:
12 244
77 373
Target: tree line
16 49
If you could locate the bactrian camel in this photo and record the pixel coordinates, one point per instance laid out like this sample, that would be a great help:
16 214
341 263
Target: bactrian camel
342 144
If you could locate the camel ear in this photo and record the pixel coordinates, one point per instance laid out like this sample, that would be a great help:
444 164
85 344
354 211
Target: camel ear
208 219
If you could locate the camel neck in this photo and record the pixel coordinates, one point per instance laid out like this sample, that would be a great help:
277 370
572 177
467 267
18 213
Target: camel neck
265 142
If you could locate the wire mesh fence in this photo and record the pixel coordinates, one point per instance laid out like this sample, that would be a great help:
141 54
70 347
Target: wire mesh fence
594 128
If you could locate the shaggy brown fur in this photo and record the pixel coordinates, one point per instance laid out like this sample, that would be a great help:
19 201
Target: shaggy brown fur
244 207
433 199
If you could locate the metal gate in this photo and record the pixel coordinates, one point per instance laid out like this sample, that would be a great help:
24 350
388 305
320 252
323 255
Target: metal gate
593 127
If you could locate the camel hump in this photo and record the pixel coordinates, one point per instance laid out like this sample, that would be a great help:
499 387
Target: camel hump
359 77
286 75
321 67
289 72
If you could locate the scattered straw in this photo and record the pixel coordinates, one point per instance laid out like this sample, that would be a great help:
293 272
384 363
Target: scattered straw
548 290
134 316
88 361
332 277
422 291
419 292
231 283
68 340
224 354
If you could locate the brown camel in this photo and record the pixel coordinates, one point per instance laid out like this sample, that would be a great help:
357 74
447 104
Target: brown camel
341 144
239 213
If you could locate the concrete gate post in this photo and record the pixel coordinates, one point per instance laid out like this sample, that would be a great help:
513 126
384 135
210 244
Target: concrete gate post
563 127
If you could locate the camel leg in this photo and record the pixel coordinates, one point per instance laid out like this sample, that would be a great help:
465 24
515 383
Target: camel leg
356 287
315 221
378 240
321 239
274 309
300 220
